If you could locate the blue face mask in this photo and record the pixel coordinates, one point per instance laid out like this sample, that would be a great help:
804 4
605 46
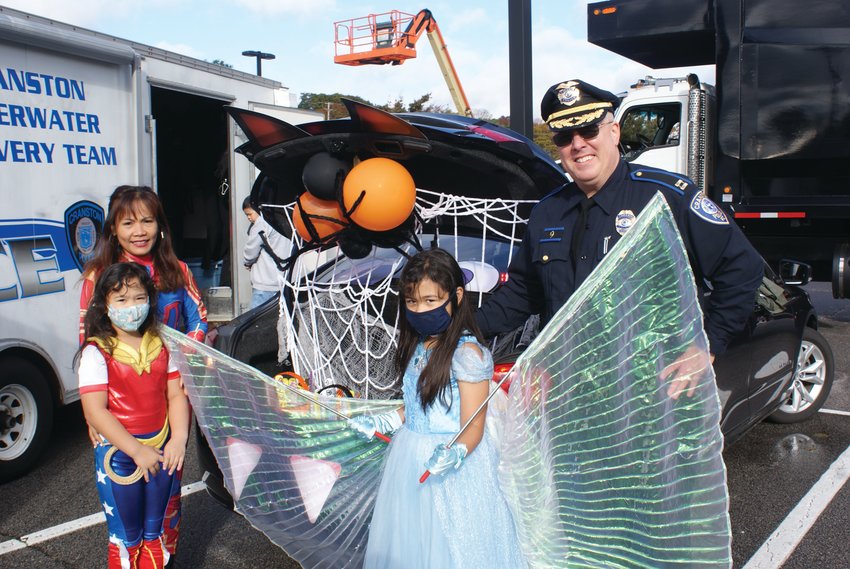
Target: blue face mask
129 318
431 322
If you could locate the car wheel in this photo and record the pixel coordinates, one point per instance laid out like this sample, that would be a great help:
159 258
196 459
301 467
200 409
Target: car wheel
213 478
26 416
812 380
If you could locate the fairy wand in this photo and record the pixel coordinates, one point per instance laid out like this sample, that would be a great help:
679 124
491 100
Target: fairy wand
427 472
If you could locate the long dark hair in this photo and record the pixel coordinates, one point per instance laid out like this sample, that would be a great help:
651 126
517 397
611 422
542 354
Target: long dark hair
97 323
124 202
440 267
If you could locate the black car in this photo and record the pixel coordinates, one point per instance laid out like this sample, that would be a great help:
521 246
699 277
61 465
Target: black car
779 367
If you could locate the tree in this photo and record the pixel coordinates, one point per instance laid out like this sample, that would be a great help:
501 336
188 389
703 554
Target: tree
440 109
332 107
329 104
222 63
543 138
396 106
418 105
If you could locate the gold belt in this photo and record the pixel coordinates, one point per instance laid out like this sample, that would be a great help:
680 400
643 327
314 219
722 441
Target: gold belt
154 441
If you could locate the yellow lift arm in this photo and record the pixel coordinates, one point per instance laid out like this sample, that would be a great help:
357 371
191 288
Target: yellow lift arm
390 38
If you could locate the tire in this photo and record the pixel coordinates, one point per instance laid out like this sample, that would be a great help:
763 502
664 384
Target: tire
213 479
812 381
26 416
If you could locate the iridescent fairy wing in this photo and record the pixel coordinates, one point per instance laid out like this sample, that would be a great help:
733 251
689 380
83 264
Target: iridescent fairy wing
601 467
293 468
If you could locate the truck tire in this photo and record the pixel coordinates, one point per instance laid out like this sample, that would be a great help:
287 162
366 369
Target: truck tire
812 381
26 416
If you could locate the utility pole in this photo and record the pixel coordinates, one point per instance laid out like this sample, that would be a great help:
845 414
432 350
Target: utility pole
519 65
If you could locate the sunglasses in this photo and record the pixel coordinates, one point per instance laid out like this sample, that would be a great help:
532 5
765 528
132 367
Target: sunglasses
565 138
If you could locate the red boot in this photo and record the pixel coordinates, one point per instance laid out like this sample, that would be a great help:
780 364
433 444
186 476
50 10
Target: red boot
152 554
122 557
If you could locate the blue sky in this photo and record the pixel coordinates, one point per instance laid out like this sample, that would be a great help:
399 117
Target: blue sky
301 34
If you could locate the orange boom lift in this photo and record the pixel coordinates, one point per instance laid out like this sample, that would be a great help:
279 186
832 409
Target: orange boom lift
379 39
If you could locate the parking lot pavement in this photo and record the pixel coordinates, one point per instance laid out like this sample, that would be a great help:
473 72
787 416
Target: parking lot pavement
42 512
789 496
835 309
837 334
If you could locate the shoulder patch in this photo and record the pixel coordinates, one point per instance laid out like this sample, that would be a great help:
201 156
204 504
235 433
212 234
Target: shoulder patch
675 182
707 210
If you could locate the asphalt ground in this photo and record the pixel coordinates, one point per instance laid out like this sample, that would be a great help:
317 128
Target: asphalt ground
49 518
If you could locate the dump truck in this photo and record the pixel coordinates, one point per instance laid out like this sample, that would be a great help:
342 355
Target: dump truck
770 142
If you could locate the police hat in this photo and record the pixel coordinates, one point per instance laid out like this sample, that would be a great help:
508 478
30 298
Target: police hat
575 104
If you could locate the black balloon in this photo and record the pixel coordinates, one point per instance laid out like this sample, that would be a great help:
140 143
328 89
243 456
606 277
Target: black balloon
354 244
323 175
393 237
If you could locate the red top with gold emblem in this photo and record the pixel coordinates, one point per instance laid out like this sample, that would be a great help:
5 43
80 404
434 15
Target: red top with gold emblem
136 381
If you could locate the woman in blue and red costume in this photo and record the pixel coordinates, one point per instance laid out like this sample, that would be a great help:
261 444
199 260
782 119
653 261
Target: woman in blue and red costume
131 394
136 230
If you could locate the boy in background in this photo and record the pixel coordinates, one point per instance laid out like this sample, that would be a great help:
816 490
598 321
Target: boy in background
263 243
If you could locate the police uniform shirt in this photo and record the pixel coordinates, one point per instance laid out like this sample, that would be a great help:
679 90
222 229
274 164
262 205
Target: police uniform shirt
542 277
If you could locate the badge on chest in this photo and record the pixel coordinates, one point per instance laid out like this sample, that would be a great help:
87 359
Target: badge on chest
624 221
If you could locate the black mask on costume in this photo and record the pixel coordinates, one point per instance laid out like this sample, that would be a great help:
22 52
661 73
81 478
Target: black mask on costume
431 322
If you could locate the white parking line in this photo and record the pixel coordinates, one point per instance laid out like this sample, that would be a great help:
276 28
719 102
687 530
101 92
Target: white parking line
785 539
72 526
835 412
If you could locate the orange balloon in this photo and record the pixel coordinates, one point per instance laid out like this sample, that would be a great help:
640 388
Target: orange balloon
388 191
316 211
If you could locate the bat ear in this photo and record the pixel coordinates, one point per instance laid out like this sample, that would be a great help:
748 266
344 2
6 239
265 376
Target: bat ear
370 119
262 131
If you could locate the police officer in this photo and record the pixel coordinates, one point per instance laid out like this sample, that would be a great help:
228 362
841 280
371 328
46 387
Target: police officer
573 228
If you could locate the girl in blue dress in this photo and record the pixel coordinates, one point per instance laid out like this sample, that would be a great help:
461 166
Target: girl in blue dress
458 517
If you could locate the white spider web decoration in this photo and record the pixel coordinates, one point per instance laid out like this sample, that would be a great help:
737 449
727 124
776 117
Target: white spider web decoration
340 332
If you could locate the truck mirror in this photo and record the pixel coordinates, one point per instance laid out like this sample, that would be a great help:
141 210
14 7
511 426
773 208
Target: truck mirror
795 272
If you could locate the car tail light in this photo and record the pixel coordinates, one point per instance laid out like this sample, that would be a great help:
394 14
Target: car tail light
500 371
211 336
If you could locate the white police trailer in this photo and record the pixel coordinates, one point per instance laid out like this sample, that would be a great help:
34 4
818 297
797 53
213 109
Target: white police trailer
81 113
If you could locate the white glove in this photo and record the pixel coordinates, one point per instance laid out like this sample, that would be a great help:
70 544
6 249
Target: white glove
446 458
366 425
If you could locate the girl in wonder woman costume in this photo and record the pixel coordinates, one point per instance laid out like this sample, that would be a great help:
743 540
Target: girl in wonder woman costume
131 394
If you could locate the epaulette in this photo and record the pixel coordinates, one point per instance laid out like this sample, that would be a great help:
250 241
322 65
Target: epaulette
699 204
550 194
675 182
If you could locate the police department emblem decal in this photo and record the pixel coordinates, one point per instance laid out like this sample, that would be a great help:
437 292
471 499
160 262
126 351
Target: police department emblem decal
624 221
568 93
83 224
707 210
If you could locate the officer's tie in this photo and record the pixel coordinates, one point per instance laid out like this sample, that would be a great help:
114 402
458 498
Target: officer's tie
579 228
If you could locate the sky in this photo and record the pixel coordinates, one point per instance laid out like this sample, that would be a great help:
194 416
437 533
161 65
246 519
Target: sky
301 35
